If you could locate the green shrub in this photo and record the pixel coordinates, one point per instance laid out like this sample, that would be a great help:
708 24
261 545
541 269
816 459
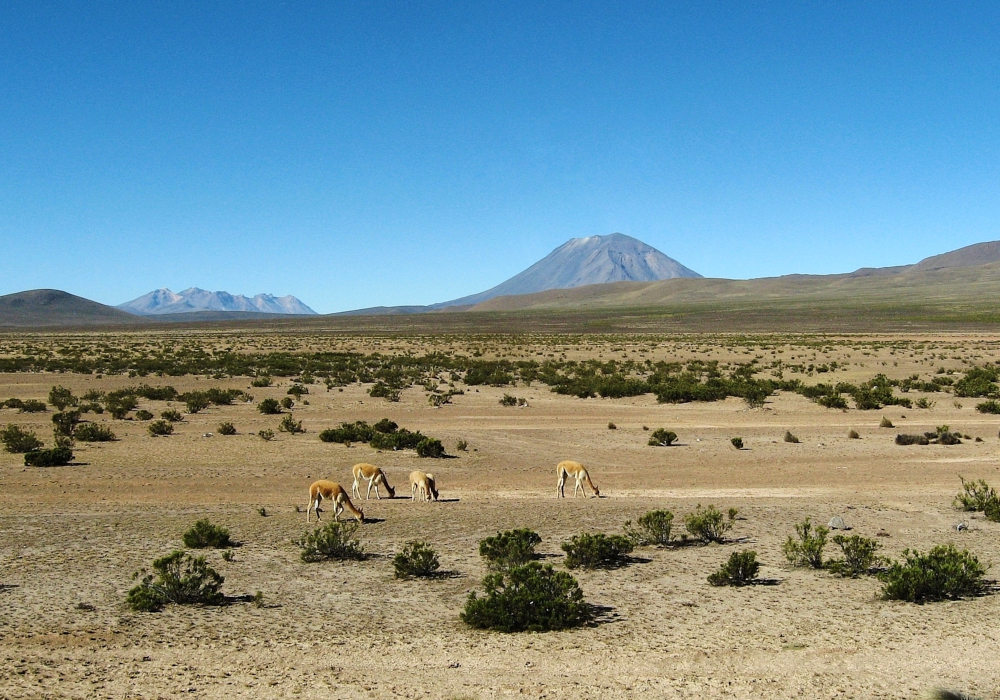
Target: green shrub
975 495
833 401
119 405
287 403
61 397
266 435
179 578
416 560
401 439
529 598
160 428
384 391
859 555
196 401
927 404
596 551
335 540
462 446
18 440
661 437
225 397
205 534
290 425
261 381
297 390
430 447
885 423
65 422
226 429
383 426
737 442
91 408
709 524
943 573
91 432
992 510
791 438
509 549
807 550
269 407
11 403
32 406
912 440
509 400
56 457
990 406
654 528
143 415
171 415
351 432
741 570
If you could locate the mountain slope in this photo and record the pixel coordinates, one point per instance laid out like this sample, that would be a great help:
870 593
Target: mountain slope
164 301
585 261
51 307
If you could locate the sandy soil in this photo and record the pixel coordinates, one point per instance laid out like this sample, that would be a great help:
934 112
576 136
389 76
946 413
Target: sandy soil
71 537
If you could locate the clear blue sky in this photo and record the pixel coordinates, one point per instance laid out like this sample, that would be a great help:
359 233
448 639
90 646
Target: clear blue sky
356 154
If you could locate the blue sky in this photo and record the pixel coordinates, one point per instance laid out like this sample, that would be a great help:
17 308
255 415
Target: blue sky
357 154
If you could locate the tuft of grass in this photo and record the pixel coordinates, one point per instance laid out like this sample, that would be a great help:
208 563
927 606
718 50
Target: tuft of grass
791 438
462 446
740 570
417 560
612 426
204 534
853 434
885 423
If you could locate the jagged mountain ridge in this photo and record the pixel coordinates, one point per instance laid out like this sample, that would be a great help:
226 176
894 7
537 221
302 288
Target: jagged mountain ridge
585 261
164 301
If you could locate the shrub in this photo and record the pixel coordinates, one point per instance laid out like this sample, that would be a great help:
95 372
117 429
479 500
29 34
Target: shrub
91 408
509 400
654 528
287 403
171 415
61 397
612 426
335 540
925 403
661 437
596 551
56 457
462 446
384 426
226 429
943 573
91 432
709 524
990 406
416 560
509 549
741 570
349 432
261 381
160 428
859 555
808 549
853 435
224 397
205 534
180 578
143 415
791 438
269 407
384 391
266 435
992 510
65 422
119 405
430 447
529 598
912 440
18 440
737 442
31 406
885 423
290 425
833 401
975 495
297 390
12 403
196 401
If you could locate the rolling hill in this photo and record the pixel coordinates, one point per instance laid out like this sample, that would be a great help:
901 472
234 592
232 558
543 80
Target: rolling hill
40 308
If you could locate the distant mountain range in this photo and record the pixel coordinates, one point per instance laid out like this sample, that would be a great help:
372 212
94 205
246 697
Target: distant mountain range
163 301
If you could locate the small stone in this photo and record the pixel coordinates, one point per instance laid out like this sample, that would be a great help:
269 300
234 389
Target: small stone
837 523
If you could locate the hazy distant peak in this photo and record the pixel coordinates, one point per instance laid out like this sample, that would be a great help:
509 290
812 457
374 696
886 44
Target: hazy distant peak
164 301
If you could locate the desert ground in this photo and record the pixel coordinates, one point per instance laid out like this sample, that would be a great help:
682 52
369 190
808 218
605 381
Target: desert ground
73 536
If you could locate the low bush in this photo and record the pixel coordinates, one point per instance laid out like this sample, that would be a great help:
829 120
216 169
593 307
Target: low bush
226 429
737 442
709 524
91 432
287 403
509 400
196 401
32 406
61 397
612 426
179 578
335 540
975 495
358 431
740 570
56 457
266 435
12 403
269 407
143 415
991 406
943 573
91 408
65 422
859 555
992 510
160 428
596 551
19 440
529 598
381 390
926 403
853 435
297 390
654 528
462 446
290 425
261 381
119 405
430 447
509 548
791 438
172 415
807 549
833 401
661 437
885 423
912 440
416 560
205 534
224 397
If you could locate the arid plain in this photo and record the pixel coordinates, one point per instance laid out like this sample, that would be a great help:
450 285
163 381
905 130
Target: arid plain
72 536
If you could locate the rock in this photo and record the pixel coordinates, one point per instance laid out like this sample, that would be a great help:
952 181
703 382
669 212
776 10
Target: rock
837 523
961 526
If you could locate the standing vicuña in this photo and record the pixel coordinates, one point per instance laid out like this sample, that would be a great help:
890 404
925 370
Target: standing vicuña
375 476
333 492
424 483
578 472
